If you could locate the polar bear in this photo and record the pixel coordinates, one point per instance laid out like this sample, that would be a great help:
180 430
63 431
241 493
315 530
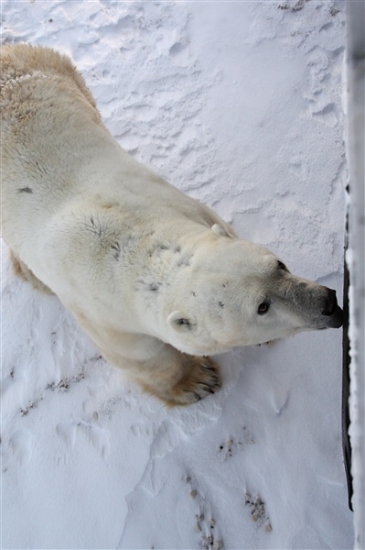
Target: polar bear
156 279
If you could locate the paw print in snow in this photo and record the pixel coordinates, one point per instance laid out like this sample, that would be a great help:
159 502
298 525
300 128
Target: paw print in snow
234 445
258 512
205 524
205 528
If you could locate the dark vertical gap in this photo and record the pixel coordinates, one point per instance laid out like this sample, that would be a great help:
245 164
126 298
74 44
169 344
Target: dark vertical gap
346 446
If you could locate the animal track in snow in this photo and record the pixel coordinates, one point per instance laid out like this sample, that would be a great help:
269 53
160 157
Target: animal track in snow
96 435
58 387
297 6
64 384
233 445
32 405
205 524
258 512
207 531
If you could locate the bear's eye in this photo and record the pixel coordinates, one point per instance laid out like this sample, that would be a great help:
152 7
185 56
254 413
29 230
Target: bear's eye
263 308
183 322
282 266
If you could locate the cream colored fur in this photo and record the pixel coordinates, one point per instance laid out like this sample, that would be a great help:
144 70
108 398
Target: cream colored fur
155 278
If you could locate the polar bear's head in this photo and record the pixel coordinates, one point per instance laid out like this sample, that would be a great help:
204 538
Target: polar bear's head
236 293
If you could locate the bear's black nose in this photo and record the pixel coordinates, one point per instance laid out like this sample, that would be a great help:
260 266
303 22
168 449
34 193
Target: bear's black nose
330 303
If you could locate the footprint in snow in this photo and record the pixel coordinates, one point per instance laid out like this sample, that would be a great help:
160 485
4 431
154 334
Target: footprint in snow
205 524
233 445
258 512
96 435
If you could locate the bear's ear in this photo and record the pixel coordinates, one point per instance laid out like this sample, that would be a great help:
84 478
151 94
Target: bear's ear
219 230
180 322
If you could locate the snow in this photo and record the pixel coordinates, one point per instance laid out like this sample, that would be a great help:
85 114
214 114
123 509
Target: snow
239 105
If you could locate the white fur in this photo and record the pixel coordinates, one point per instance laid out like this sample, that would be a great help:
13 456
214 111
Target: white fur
147 271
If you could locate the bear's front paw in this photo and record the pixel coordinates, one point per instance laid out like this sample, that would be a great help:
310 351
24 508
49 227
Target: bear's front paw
201 377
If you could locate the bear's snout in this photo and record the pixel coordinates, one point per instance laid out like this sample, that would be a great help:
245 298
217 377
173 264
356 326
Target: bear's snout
332 310
330 303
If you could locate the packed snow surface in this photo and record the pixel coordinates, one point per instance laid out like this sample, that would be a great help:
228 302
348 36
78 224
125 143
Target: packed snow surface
239 105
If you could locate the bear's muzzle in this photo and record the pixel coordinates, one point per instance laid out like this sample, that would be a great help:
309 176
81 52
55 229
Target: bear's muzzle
332 310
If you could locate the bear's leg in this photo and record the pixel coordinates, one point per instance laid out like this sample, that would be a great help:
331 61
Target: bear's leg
174 377
23 271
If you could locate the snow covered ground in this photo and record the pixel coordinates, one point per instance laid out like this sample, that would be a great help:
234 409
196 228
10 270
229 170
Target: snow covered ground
240 105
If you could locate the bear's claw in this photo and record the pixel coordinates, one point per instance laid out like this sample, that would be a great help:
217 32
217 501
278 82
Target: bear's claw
200 378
